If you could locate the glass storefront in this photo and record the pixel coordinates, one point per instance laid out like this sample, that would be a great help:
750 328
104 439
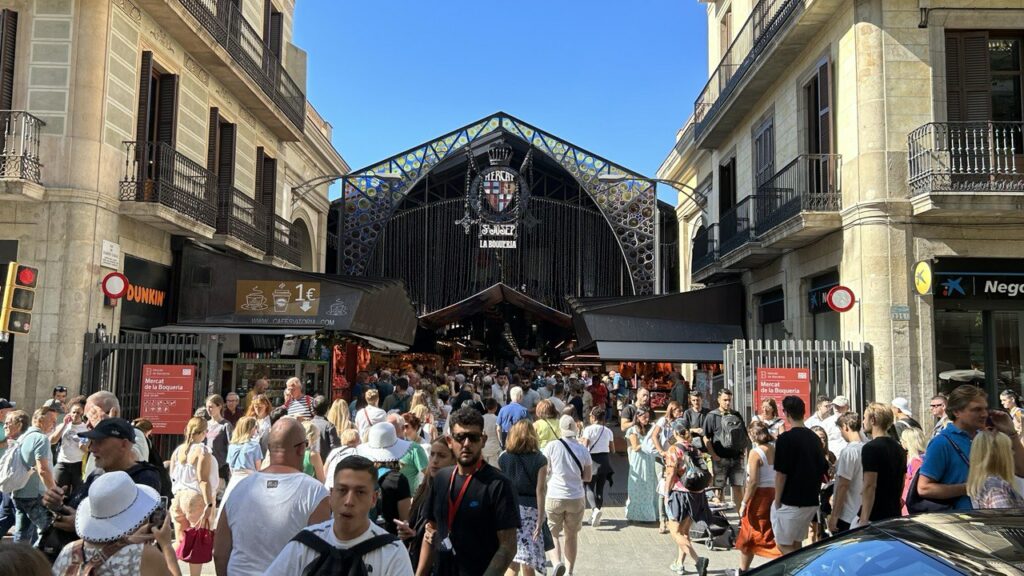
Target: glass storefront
825 325
979 319
771 315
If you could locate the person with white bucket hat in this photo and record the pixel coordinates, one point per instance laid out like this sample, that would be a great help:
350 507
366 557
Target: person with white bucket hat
385 449
115 523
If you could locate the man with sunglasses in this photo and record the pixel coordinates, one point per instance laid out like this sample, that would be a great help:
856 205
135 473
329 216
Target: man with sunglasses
938 408
473 513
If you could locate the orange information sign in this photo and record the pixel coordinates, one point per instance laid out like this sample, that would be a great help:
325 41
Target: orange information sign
166 399
777 383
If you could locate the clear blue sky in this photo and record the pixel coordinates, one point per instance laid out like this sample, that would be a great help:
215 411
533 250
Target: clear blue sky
617 77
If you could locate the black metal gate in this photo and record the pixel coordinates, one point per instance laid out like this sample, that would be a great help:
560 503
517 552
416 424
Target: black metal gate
114 363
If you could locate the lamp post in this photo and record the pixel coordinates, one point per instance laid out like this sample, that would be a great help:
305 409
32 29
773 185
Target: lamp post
339 221
687 190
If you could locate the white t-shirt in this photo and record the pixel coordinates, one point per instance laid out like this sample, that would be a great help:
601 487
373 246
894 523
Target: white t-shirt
564 479
849 466
333 459
389 560
498 394
598 437
493 446
70 444
264 512
836 442
369 416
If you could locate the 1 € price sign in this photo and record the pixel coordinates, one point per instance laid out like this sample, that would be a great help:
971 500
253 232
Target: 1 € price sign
272 298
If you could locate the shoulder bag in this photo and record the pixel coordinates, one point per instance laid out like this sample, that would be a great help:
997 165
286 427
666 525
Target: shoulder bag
917 504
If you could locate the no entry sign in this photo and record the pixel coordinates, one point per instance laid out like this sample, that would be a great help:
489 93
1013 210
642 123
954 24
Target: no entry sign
840 298
167 396
114 285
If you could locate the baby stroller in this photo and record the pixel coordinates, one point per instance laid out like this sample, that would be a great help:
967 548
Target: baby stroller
717 534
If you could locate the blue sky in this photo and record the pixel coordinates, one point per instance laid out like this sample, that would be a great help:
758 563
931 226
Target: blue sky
617 77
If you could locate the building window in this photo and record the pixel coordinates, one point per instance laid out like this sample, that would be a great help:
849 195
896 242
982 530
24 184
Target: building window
818 96
825 325
157 119
764 151
771 315
726 186
983 77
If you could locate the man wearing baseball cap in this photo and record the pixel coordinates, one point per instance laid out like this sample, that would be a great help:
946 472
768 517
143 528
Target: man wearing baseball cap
903 418
111 445
836 442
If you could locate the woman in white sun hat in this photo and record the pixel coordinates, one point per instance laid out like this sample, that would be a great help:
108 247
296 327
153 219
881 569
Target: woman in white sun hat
116 525
385 449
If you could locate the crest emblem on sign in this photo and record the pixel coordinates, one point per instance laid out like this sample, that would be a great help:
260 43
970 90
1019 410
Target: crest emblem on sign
496 196
499 195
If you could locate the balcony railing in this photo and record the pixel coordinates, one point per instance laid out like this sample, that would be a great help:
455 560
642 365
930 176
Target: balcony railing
734 226
966 157
285 243
224 21
810 183
158 173
19 149
242 217
765 20
705 248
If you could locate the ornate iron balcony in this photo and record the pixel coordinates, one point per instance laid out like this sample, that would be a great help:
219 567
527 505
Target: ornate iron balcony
159 173
224 21
19 147
810 183
734 227
966 157
285 242
705 248
764 22
242 217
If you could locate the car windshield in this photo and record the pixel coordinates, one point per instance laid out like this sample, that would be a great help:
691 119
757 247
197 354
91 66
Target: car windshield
865 554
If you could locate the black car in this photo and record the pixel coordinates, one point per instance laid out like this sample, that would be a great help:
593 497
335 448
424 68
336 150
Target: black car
982 543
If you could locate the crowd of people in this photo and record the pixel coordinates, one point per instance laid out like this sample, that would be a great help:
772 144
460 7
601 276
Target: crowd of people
490 472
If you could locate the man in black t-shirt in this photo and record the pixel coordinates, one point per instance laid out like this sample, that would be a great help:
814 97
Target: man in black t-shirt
885 463
728 463
628 412
799 466
473 513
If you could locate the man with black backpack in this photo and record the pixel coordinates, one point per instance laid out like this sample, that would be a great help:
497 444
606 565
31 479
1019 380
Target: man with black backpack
348 544
727 441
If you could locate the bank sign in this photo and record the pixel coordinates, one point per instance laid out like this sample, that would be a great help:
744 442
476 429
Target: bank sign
987 286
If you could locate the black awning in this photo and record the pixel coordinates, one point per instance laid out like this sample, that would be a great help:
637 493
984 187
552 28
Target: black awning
683 327
216 289
489 298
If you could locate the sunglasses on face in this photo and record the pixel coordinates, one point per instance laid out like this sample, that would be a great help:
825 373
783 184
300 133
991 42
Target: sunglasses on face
461 438
936 405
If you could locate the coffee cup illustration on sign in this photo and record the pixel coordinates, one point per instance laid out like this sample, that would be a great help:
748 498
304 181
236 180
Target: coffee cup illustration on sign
282 296
255 300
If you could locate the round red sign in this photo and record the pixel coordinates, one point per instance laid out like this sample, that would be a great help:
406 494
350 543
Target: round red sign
115 285
840 298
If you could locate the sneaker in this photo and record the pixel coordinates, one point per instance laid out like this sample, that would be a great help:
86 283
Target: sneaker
595 518
675 567
559 569
702 566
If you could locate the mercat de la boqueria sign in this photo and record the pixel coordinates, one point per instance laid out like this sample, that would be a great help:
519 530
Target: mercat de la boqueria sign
218 289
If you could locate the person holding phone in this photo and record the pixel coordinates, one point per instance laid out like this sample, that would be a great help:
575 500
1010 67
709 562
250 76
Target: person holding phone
108 524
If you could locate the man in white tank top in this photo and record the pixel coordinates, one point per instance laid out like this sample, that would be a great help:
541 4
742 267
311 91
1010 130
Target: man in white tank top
266 509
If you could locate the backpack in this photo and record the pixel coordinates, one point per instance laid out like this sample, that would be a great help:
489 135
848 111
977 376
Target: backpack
336 561
377 512
14 472
731 433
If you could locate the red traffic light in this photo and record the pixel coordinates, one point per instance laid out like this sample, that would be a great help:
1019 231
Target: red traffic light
26 276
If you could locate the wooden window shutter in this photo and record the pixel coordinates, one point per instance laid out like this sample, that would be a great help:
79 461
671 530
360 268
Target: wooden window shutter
226 158
212 144
8 43
968 77
145 82
276 31
824 108
167 109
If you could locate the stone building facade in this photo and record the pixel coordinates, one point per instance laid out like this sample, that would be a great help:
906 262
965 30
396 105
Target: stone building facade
844 141
136 122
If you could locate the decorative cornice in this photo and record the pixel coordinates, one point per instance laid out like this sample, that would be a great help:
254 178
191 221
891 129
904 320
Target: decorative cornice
197 70
128 8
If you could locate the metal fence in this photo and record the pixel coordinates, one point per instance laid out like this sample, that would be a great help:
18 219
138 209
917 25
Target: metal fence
115 364
836 368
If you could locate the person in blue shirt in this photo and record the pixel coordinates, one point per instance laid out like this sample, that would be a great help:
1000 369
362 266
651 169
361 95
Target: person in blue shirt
511 413
945 467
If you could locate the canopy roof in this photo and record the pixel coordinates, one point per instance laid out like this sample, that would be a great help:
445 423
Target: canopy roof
489 298
683 327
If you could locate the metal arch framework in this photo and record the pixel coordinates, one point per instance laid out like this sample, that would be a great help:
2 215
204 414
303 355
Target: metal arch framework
629 206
